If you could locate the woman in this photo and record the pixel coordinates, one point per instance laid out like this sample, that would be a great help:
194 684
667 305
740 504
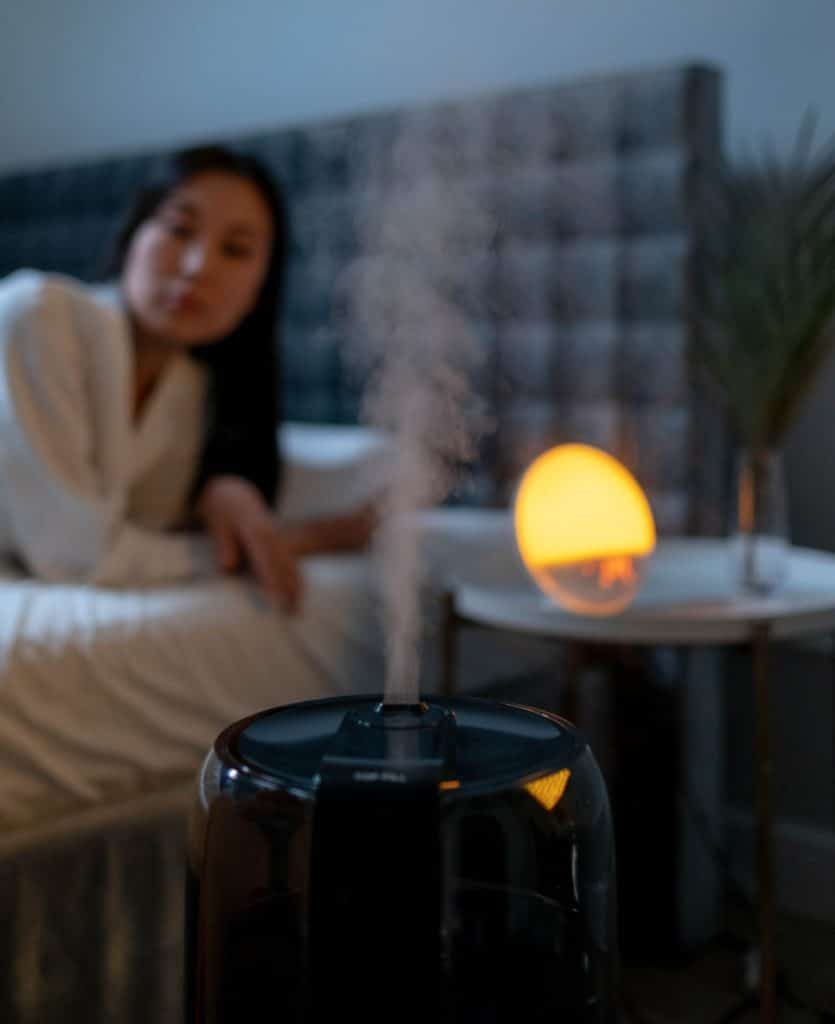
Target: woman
126 414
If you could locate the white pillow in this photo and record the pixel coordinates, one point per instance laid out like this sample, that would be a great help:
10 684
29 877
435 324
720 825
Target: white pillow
327 470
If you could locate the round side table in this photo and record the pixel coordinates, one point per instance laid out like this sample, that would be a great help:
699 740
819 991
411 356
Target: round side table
687 600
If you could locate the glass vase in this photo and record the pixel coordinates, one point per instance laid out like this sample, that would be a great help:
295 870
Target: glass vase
759 541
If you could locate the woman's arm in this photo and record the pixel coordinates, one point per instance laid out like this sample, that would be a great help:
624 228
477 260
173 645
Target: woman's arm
65 513
350 531
245 532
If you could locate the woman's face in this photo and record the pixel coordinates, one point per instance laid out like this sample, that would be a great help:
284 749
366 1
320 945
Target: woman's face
194 269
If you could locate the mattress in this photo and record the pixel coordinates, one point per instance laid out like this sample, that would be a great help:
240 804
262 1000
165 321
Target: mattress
105 693
109 694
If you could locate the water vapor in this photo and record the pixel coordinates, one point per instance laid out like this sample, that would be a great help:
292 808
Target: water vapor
413 297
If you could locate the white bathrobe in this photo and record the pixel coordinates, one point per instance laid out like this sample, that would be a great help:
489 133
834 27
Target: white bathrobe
86 494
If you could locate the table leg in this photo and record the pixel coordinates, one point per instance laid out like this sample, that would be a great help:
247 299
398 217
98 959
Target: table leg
576 660
449 638
832 719
760 639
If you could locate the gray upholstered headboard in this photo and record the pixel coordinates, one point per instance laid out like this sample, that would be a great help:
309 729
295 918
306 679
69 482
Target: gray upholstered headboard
595 189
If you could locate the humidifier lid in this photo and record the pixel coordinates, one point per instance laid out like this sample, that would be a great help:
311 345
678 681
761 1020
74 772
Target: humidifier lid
468 744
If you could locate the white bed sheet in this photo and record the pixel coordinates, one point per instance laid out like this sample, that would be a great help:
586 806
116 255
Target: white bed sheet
107 693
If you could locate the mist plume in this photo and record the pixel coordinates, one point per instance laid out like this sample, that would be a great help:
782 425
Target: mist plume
412 296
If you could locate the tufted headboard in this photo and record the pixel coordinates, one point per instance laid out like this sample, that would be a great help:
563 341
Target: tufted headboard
595 189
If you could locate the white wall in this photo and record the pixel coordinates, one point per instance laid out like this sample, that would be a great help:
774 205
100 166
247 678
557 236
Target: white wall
86 77
83 78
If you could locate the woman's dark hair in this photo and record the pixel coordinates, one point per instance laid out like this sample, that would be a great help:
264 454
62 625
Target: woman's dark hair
244 368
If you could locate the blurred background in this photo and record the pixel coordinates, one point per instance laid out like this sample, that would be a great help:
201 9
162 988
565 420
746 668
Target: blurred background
86 78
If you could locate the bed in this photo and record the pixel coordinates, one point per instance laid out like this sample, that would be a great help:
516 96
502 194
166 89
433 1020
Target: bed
108 699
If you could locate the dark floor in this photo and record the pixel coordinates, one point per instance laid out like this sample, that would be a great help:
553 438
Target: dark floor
703 987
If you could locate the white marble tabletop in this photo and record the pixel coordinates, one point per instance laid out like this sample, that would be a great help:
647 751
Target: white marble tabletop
688 595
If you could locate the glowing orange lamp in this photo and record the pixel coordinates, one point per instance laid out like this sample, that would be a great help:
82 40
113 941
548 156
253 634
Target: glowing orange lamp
584 529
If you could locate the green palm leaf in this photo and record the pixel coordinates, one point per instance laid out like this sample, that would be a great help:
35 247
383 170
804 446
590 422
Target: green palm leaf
768 285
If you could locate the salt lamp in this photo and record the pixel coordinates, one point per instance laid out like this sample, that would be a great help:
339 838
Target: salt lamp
584 529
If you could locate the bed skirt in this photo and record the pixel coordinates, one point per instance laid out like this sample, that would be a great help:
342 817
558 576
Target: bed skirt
93 913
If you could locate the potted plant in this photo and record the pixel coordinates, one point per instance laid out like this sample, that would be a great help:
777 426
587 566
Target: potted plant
768 324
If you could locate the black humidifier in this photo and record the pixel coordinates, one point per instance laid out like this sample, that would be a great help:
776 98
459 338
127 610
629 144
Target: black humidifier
441 862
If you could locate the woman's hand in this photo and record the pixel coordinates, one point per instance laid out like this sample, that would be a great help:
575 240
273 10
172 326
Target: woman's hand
244 531
351 531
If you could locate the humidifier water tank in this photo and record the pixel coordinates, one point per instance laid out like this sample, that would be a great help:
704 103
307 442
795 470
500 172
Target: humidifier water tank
448 861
